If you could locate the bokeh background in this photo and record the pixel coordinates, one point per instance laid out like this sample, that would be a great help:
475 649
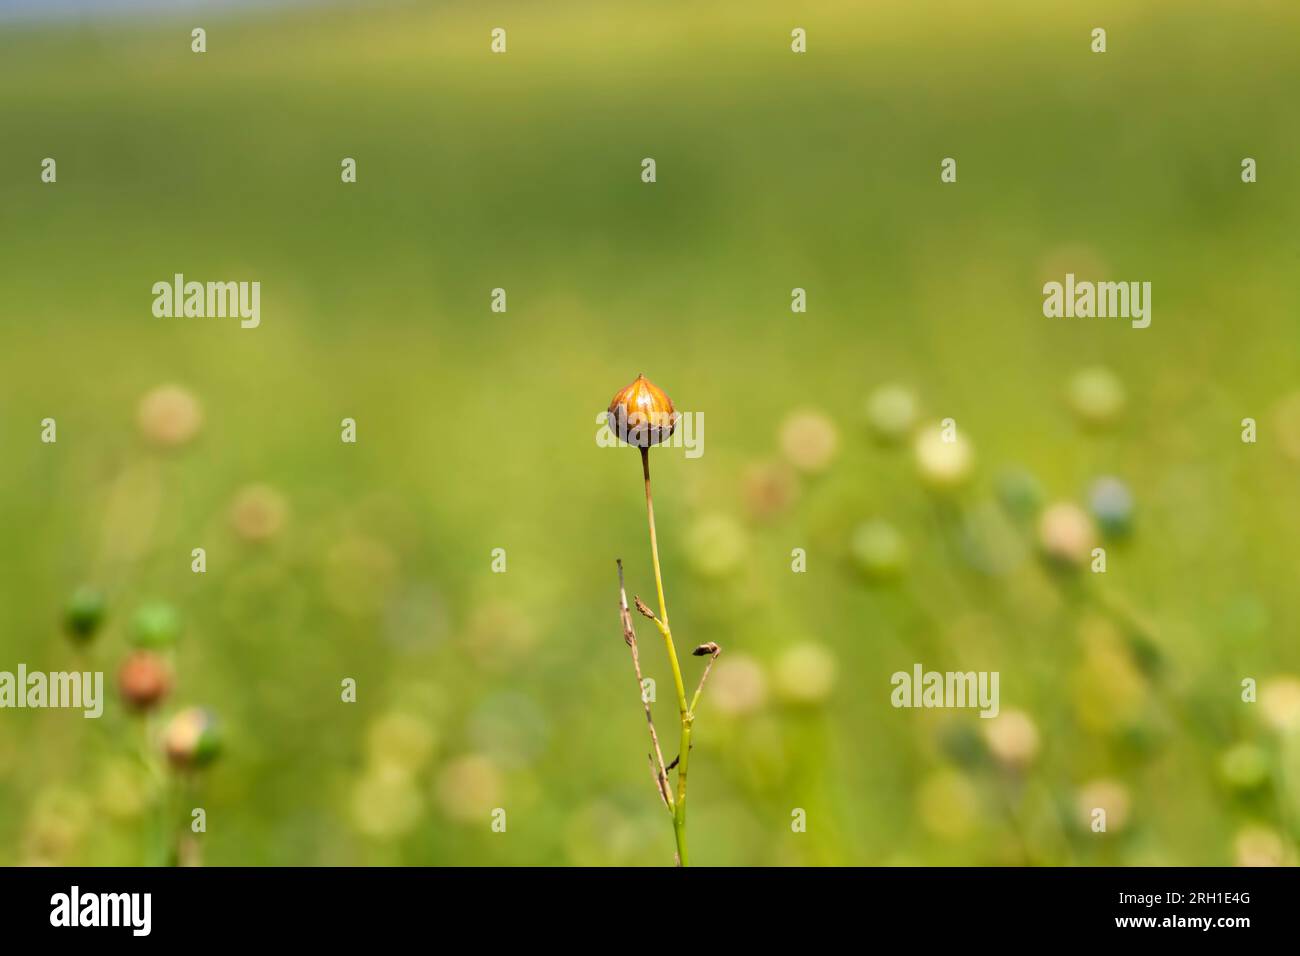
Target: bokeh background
476 430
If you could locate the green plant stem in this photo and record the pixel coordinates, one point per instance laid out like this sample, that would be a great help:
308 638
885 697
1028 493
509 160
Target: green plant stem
684 757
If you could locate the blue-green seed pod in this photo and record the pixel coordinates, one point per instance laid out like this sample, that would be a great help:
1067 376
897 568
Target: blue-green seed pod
1111 503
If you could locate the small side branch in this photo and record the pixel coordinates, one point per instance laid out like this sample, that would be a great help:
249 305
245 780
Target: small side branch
647 613
660 772
713 650
709 649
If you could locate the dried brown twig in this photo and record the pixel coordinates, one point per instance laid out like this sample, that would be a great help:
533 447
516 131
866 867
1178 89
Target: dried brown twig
629 636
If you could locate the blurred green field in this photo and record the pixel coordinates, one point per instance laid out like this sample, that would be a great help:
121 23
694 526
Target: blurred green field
476 430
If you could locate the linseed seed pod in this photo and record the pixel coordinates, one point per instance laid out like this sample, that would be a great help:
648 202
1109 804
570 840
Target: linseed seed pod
258 513
84 614
1111 504
642 414
809 441
1013 738
191 739
1020 493
879 550
169 416
892 411
144 679
944 464
1066 535
1097 397
155 625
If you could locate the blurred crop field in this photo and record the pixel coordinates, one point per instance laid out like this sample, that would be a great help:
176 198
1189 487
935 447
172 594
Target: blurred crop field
476 429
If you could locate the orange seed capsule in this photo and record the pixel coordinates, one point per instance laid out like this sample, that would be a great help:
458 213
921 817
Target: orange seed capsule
642 414
144 680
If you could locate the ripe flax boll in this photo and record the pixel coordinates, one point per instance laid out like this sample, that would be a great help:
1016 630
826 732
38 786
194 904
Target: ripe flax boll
642 414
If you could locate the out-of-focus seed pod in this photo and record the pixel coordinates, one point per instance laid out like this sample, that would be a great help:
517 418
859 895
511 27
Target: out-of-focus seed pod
1279 702
84 614
879 550
192 739
1259 846
469 788
716 545
1244 766
1020 493
1066 535
156 625
962 744
169 416
805 674
737 686
1109 795
809 441
892 412
1097 397
642 414
144 679
768 489
258 513
1012 738
1111 503
944 462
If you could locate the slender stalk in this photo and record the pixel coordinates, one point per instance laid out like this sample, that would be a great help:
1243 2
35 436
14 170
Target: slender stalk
695 701
679 811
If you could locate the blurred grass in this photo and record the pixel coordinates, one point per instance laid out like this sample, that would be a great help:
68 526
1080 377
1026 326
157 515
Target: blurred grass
476 429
